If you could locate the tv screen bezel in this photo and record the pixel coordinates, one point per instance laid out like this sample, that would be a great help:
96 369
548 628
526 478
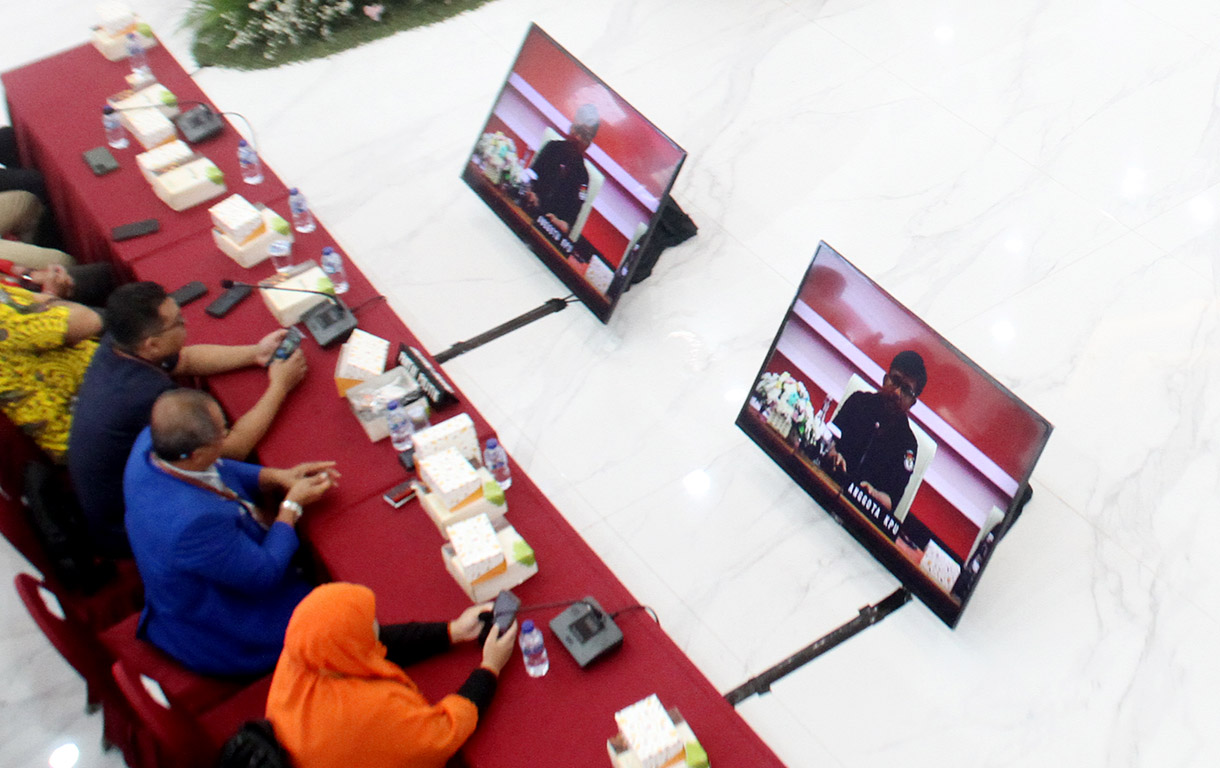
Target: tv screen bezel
601 306
862 530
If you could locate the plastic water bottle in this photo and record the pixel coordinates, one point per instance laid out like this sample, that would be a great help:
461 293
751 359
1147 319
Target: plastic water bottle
332 265
400 426
137 58
251 168
533 649
280 252
496 461
116 135
302 219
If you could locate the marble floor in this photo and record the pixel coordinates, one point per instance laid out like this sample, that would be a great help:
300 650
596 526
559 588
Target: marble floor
1039 180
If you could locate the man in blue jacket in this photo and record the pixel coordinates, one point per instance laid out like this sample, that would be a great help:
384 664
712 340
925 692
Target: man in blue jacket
218 575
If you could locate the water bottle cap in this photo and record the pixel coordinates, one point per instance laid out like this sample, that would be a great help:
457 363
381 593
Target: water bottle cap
293 191
242 143
492 442
327 251
107 110
527 625
131 35
392 405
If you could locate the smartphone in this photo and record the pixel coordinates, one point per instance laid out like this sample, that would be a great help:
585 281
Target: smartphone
289 345
225 303
400 494
503 612
134 229
188 293
100 161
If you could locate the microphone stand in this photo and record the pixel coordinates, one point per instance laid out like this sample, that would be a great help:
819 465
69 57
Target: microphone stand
329 323
549 307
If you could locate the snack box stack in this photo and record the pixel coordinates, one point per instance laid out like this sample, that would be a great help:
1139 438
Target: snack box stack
476 549
286 306
449 476
362 357
151 97
189 184
650 737
242 231
110 37
519 561
488 500
457 432
164 158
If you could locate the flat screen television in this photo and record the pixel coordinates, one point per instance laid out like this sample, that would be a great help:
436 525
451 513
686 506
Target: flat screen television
577 173
919 453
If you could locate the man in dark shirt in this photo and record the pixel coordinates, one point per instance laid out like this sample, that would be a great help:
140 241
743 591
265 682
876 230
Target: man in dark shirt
144 348
877 449
562 182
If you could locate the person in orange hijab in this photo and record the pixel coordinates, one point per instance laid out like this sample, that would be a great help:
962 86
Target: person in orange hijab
339 697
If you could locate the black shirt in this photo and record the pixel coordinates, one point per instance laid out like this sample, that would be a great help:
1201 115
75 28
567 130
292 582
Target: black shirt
562 180
877 444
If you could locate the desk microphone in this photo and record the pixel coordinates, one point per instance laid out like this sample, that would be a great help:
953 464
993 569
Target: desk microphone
328 323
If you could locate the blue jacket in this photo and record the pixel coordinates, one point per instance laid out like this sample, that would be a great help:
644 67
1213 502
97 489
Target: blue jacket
218 589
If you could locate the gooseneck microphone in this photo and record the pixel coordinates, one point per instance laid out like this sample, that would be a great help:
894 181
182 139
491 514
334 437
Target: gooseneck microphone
328 323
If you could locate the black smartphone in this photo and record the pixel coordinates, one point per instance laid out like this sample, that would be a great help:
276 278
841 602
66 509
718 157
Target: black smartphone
503 613
134 229
188 293
291 341
226 301
100 161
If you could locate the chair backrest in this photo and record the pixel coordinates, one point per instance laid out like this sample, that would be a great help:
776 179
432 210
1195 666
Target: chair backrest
75 642
176 737
16 451
254 746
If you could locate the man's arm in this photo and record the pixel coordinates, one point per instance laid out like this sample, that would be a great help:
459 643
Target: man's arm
282 376
207 359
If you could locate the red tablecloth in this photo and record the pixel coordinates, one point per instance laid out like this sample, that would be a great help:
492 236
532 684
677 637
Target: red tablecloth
56 108
562 719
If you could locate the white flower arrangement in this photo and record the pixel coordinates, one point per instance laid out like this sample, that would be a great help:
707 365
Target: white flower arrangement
278 24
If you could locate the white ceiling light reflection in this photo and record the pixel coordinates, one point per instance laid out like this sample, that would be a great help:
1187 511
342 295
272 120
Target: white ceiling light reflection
944 34
697 483
1014 244
64 757
1134 182
1003 331
1202 210
736 396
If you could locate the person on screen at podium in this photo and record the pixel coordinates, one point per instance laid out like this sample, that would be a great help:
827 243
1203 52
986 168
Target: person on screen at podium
558 192
143 350
339 697
219 581
877 449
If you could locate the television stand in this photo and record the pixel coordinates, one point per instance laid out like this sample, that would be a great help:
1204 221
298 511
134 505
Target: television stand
869 615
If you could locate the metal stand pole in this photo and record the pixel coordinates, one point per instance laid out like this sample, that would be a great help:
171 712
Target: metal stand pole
550 307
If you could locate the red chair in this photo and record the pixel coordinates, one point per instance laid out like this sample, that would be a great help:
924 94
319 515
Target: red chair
169 736
81 648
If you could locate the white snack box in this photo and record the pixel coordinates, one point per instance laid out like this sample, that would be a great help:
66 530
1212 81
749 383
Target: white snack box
649 732
288 306
457 432
154 97
476 504
254 250
166 157
476 547
190 184
149 126
116 17
362 357
110 37
236 217
520 565
449 475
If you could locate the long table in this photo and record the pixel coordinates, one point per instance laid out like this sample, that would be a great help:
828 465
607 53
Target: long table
563 718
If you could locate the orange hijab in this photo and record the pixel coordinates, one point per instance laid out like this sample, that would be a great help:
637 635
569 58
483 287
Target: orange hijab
336 701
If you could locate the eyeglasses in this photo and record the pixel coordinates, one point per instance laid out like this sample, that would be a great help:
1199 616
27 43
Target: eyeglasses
903 386
179 322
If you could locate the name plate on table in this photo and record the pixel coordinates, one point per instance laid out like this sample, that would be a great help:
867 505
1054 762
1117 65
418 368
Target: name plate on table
436 388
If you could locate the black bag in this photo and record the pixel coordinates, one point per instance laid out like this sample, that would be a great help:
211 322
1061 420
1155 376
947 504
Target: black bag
59 524
254 746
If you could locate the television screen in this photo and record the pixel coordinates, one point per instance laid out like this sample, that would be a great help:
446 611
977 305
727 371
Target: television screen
917 451
577 173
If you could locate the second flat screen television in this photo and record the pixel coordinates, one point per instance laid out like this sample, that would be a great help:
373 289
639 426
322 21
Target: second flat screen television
577 173
920 454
